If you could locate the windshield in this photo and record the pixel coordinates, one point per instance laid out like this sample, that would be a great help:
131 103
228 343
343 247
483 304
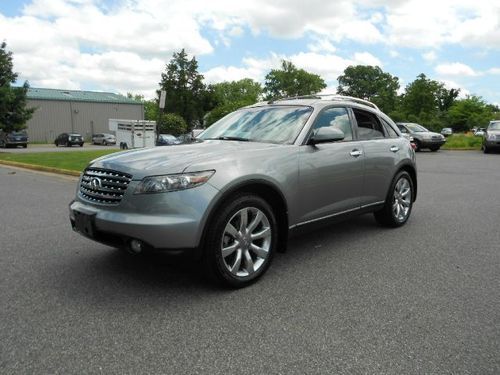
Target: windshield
494 126
416 128
274 124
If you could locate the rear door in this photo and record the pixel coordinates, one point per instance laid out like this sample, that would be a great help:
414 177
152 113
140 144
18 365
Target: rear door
330 174
382 153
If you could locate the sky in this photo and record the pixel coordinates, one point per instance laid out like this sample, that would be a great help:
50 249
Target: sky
124 45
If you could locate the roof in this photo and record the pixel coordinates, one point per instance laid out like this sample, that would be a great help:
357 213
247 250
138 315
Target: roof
78 96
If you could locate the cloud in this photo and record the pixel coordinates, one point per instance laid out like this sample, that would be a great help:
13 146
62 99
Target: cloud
455 69
430 56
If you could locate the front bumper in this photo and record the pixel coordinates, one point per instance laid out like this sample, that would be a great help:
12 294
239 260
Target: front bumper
492 143
163 221
431 142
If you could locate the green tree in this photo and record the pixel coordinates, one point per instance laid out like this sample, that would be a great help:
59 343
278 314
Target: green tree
291 81
469 112
172 123
421 103
370 83
229 96
185 89
245 90
13 111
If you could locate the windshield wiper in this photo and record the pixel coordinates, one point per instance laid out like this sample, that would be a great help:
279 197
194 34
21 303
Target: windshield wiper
228 138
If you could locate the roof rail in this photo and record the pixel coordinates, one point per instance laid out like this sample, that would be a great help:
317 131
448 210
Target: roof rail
330 96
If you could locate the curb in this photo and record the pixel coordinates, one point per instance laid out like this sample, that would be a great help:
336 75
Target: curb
40 168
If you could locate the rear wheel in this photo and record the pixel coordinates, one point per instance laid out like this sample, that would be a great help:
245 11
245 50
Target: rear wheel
399 202
241 241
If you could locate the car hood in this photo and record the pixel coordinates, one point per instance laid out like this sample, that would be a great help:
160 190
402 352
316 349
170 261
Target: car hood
176 159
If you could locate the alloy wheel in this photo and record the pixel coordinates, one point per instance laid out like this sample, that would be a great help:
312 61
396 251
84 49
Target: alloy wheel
246 242
402 199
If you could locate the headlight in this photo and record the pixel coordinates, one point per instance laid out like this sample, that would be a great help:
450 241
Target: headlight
172 182
411 139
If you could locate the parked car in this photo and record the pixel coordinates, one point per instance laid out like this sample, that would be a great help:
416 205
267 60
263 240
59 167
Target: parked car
423 138
167 140
69 139
13 139
491 138
104 139
254 177
446 132
479 132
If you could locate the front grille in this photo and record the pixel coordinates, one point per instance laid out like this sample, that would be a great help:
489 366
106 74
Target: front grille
104 185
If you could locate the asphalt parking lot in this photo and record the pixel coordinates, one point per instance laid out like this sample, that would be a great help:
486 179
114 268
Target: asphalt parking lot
351 298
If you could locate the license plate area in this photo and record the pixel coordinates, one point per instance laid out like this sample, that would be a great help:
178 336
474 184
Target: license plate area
85 223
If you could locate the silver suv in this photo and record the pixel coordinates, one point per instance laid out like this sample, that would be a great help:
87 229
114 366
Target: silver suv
232 198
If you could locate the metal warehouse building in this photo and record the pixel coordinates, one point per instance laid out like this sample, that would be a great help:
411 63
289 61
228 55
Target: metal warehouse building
84 112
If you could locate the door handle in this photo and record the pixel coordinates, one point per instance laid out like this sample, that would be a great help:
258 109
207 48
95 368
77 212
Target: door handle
356 153
394 148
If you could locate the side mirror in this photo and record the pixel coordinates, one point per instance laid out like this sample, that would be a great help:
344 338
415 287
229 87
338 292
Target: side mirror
326 134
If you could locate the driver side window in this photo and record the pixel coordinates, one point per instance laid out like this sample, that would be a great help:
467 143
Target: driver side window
336 118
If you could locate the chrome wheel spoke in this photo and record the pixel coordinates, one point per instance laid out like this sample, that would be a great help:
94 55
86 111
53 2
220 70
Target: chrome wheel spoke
266 232
243 220
226 251
232 231
255 221
259 251
237 263
248 263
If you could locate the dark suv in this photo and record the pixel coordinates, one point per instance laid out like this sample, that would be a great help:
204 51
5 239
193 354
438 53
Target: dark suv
69 139
13 139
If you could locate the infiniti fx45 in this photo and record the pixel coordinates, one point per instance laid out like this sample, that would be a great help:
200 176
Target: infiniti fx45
232 198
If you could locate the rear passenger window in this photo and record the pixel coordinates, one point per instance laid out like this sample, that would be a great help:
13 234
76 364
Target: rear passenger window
369 126
389 130
336 118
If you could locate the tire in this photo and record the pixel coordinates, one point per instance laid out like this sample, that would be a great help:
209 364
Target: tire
68 144
81 144
25 145
2 144
398 204
104 143
231 256
434 149
486 150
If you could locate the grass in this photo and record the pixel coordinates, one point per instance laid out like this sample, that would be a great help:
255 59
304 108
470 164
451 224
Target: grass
73 161
463 142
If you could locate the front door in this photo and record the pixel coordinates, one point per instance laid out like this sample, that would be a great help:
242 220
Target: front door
330 174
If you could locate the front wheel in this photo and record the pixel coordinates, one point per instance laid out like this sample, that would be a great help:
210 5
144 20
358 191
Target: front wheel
399 202
241 241
418 147
434 149
486 150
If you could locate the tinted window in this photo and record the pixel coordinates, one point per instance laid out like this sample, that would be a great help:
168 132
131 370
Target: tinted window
369 126
389 130
336 118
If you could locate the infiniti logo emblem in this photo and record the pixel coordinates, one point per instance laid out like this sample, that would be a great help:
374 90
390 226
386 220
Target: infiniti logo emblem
95 183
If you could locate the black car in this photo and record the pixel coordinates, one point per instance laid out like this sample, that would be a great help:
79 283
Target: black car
13 139
69 139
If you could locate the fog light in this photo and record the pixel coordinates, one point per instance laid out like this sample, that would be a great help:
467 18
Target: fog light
136 246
